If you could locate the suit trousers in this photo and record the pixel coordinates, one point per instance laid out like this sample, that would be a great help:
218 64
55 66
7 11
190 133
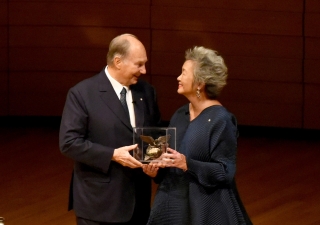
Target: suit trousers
81 221
137 219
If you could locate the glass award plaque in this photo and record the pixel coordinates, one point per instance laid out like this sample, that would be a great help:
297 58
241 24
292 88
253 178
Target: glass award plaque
152 142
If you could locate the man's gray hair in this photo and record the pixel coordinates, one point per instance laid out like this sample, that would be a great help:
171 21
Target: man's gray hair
119 46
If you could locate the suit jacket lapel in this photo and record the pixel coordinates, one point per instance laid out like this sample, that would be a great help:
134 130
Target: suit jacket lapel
111 99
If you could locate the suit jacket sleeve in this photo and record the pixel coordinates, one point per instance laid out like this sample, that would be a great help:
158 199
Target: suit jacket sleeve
73 135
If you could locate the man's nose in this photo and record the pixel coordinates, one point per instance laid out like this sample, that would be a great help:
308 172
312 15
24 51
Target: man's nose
143 70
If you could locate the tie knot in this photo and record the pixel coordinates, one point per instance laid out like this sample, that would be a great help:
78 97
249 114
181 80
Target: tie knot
123 92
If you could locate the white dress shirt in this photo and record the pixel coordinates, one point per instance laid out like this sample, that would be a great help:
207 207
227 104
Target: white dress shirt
118 88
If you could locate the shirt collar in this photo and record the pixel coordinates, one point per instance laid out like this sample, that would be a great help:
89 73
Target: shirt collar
115 84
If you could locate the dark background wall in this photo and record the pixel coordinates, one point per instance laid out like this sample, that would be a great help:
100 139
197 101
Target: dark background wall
272 49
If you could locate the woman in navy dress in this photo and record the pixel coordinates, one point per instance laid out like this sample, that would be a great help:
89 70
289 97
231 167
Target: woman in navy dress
196 181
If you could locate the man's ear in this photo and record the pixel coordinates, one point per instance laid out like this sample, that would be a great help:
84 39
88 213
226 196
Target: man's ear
117 62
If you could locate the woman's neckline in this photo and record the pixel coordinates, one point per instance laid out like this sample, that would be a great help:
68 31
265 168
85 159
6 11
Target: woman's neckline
194 114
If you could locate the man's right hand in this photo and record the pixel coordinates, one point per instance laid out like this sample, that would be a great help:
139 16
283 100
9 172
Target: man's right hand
123 157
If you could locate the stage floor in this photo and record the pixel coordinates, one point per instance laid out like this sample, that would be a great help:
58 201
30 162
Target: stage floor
277 176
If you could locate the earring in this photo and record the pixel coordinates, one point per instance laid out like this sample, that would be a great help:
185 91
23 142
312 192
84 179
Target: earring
198 93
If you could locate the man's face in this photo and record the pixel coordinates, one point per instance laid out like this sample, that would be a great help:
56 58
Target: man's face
133 65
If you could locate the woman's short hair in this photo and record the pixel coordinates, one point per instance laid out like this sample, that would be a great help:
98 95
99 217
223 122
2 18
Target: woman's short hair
119 46
209 69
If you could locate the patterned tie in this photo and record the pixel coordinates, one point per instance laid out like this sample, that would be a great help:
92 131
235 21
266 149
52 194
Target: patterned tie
123 101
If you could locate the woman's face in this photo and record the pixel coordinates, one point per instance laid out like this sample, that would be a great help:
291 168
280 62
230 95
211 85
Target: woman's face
186 85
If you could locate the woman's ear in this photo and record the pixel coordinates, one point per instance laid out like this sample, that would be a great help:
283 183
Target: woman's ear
200 86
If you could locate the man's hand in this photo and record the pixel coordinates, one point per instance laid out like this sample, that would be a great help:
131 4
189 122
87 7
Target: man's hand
123 157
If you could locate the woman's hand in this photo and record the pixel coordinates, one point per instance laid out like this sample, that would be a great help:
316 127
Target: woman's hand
172 158
150 169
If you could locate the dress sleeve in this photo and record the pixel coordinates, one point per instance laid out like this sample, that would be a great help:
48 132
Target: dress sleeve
220 169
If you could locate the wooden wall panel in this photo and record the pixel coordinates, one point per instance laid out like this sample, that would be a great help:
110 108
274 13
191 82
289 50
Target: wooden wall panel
57 59
3 48
3 13
169 105
312 28
168 98
137 2
3 36
3 71
312 47
263 92
260 100
272 5
49 40
71 36
312 6
59 43
225 20
63 48
166 86
312 106
272 103
253 103
264 69
269 115
312 71
166 63
3 58
264 46
79 14
263 51
260 69
41 93
4 93
240 67
264 103
312 66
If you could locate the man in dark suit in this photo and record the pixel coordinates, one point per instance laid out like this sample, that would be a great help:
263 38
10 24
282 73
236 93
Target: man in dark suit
108 185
